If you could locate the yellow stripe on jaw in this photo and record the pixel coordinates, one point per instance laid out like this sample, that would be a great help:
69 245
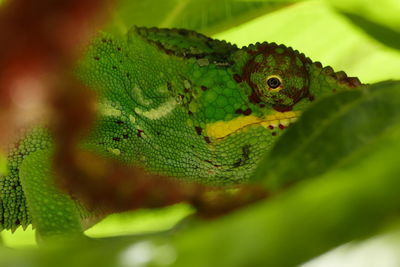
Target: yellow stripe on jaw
221 129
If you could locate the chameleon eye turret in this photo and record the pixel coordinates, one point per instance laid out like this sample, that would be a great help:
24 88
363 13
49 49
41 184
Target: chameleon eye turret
276 74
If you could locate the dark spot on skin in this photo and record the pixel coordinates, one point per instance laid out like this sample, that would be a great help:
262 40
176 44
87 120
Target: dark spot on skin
273 133
96 58
204 88
207 139
125 136
247 112
341 75
353 82
116 139
119 122
282 108
237 78
114 67
254 98
139 132
198 129
245 156
277 99
183 32
237 163
246 151
169 86
311 97
271 127
281 126
328 70
318 64
215 165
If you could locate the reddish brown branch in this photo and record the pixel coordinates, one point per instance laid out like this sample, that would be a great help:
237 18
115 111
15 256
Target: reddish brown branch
39 41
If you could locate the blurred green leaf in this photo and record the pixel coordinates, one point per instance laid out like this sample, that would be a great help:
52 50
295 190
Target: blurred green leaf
207 16
384 12
330 133
380 21
3 164
140 221
385 35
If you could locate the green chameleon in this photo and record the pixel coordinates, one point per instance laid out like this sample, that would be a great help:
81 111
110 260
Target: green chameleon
176 103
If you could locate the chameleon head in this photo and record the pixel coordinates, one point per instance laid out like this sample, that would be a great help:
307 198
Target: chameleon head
252 97
274 83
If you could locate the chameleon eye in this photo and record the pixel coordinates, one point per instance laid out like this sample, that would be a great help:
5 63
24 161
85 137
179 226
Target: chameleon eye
274 82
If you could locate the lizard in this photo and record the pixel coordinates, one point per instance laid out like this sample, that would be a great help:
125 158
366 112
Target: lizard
177 103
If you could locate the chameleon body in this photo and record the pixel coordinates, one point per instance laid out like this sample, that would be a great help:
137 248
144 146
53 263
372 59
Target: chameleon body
177 103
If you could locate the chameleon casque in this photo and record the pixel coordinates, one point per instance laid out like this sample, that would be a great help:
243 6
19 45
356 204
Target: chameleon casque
176 103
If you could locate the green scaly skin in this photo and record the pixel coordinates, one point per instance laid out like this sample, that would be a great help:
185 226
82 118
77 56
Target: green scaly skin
177 103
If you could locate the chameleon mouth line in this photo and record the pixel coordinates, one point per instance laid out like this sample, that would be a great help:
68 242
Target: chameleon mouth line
222 129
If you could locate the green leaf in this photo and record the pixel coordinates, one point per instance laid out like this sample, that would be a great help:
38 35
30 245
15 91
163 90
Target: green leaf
207 16
379 32
380 21
330 133
3 164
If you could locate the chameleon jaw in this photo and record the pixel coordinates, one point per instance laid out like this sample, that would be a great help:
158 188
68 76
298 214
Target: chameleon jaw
221 129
